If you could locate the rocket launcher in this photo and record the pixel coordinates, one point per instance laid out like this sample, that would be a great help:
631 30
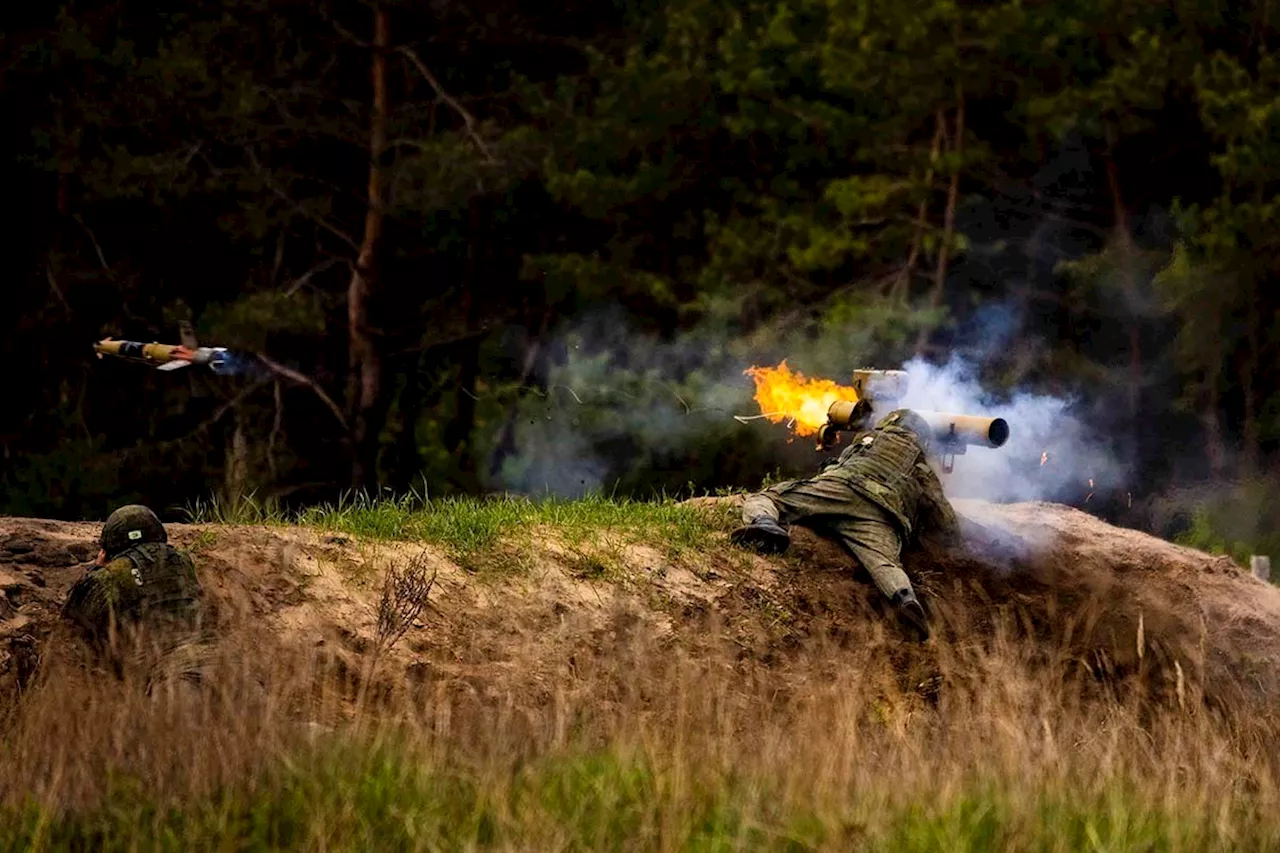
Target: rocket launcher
880 390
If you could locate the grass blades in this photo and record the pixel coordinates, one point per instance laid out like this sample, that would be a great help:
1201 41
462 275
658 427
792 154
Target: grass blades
707 738
467 527
340 797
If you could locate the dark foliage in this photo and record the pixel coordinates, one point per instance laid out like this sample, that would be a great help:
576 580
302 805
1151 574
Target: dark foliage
587 219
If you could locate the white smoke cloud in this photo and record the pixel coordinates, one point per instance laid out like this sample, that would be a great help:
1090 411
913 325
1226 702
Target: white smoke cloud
555 461
1038 425
618 399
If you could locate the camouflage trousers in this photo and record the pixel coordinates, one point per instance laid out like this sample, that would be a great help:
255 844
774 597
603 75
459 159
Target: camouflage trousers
831 504
162 661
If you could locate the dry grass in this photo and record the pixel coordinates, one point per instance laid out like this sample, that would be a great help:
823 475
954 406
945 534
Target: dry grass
1106 695
837 743
406 591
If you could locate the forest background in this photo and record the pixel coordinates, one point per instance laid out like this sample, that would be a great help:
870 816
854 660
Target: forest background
486 246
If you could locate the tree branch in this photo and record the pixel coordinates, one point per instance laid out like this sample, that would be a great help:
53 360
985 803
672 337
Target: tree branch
302 379
102 259
298 283
228 406
57 291
297 207
275 430
445 343
467 118
343 31
159 446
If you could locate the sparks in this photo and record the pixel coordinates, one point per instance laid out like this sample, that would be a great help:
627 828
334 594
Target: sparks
786 396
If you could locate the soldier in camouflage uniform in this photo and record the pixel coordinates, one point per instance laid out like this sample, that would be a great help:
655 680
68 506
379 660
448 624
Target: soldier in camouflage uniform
880 493
141 603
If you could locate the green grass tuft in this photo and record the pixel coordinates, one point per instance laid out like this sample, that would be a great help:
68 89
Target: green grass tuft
243 510
384 798
468 529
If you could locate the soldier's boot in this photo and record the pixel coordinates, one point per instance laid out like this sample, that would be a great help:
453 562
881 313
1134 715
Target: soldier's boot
911 612
763 534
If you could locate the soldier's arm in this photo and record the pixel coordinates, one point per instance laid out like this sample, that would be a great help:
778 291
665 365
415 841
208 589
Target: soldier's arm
92 599
854 442
938 522
82 604
190 575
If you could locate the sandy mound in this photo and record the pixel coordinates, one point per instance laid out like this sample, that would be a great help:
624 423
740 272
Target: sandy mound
1124 608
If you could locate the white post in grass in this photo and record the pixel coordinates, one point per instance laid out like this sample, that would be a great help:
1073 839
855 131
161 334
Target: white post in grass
1261 567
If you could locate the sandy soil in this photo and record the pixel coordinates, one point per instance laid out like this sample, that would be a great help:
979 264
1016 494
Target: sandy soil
1066 586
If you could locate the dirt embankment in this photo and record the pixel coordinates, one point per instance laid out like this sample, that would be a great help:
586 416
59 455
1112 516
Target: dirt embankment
1119 607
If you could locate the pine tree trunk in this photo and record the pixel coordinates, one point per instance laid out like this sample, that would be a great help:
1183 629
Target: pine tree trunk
364 368
66 165
236 472
505 446
1214 447
458 433
1124 245
1249 387
948 221
902 287
408 461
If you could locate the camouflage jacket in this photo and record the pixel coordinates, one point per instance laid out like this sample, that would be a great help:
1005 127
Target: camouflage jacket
889 467
152 584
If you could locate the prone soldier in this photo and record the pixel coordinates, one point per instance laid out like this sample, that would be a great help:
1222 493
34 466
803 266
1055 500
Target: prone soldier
880 493
141 597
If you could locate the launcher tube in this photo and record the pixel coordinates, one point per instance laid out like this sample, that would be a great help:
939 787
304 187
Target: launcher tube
967 429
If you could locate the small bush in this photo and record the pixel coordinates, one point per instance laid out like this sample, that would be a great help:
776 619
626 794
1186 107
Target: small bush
405 593
1239 521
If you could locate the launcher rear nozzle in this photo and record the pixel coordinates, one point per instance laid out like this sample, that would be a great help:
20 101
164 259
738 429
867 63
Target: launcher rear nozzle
842 416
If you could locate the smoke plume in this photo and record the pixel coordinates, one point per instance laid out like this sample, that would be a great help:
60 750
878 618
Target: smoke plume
1051 454
626 408
622 407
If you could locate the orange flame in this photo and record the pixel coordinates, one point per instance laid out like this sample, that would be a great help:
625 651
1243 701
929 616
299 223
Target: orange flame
1044 457
786 396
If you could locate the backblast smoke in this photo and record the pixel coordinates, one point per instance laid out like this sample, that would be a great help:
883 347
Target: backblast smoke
631 408
1051 454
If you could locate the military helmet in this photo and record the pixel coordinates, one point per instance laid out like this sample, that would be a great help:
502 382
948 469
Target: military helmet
912 422
129 526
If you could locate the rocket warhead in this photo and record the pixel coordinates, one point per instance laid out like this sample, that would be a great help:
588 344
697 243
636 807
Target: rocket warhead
168 356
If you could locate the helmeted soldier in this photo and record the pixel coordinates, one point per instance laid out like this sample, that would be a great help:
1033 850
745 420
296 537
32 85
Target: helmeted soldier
879 494
139 581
